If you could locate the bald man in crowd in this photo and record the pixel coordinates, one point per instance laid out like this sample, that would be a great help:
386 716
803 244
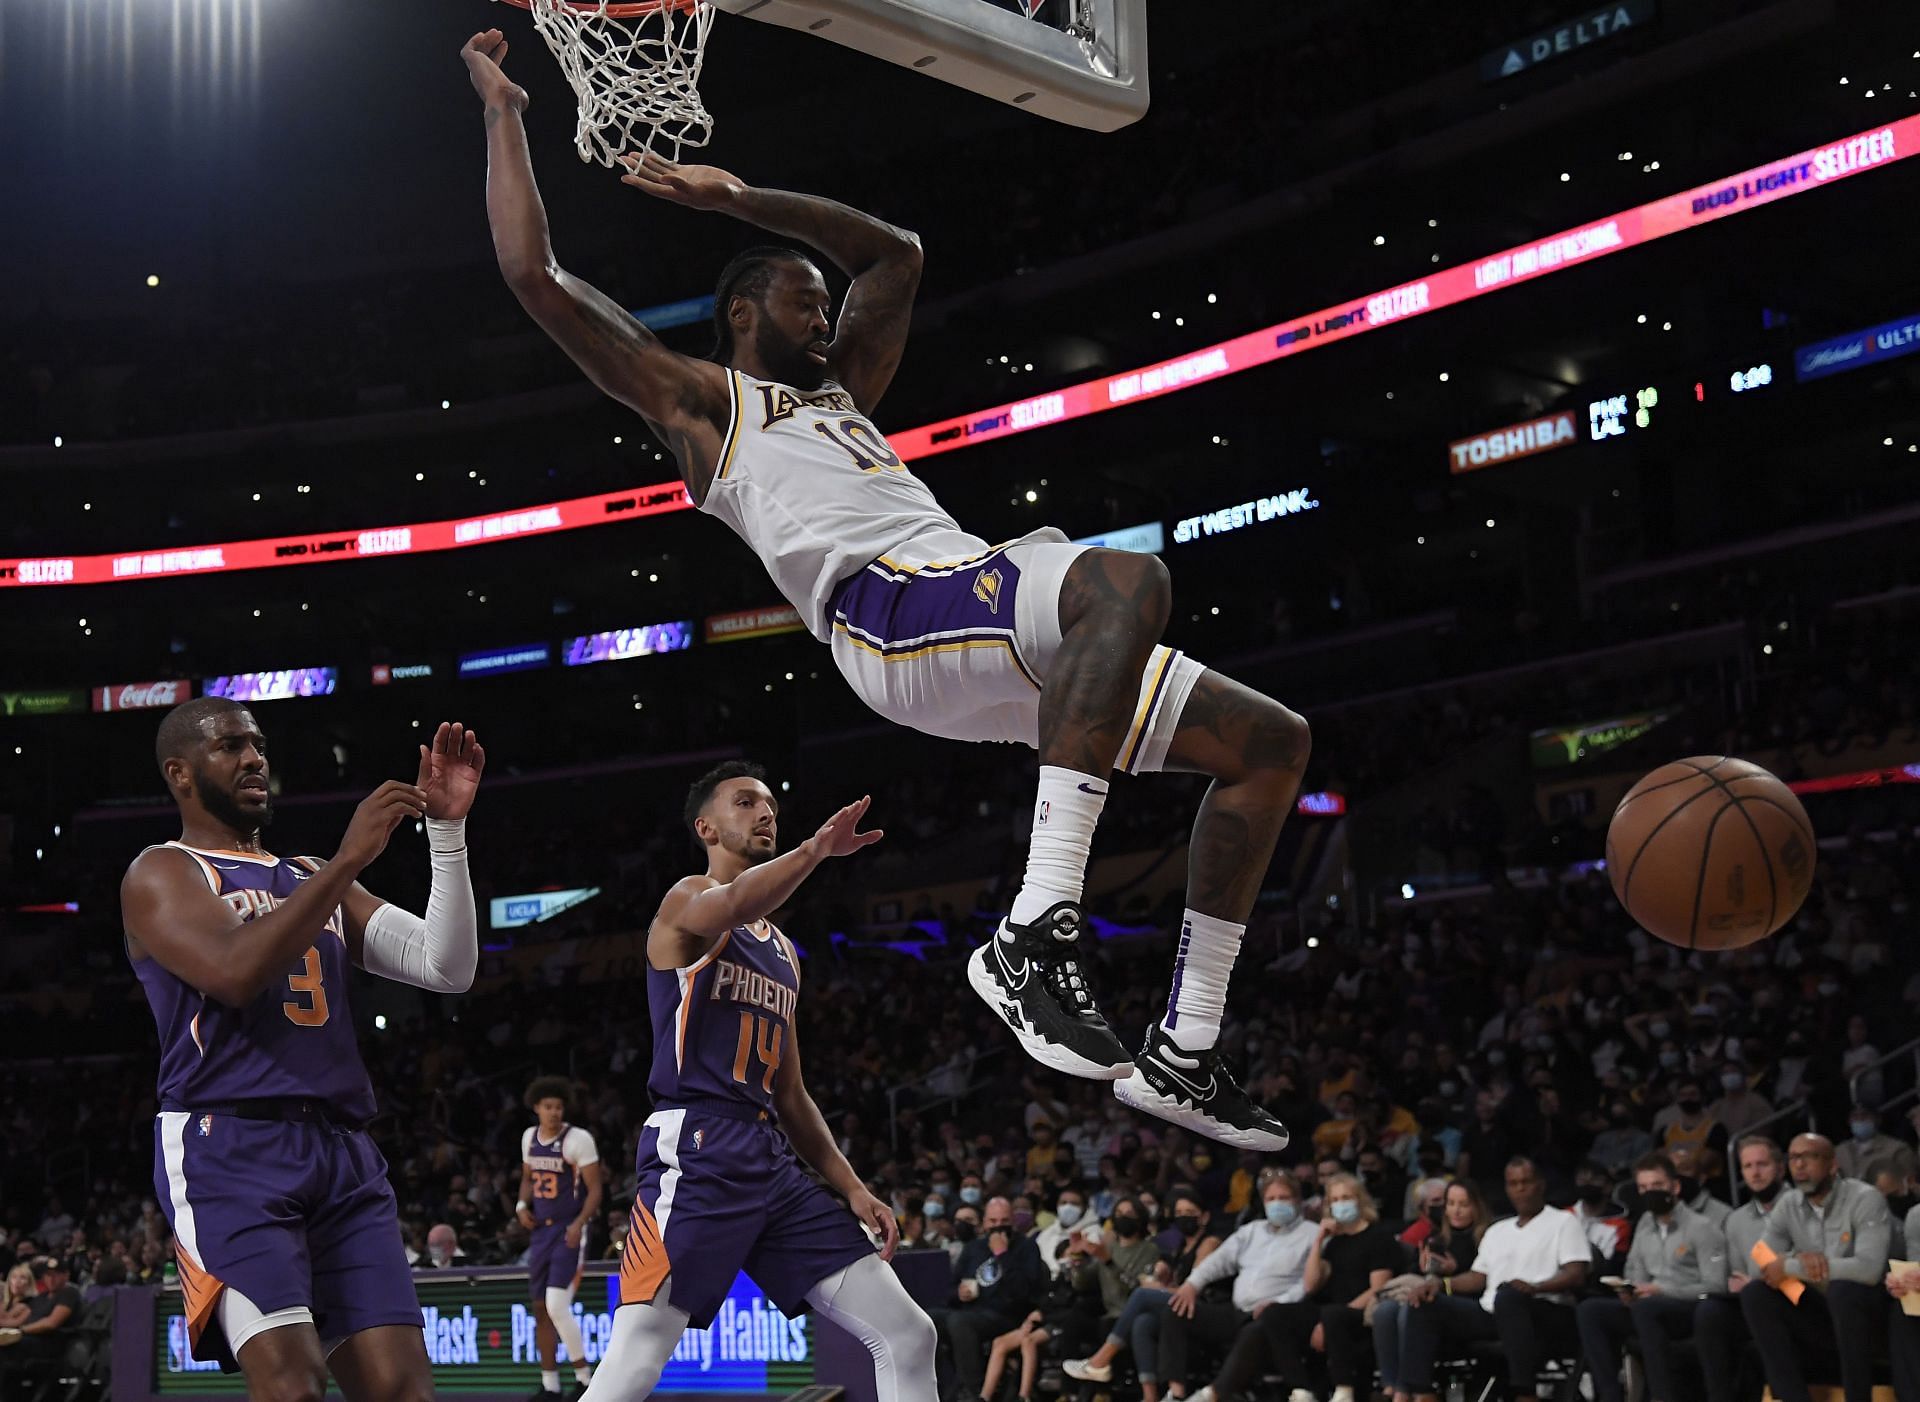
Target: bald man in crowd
1826 1241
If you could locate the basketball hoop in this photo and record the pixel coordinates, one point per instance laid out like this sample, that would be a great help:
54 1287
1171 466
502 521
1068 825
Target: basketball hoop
635 69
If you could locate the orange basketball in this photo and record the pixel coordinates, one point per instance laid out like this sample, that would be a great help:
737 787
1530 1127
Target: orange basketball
1710 853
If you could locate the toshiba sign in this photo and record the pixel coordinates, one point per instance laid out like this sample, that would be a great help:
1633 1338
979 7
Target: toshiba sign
135 696
1516 441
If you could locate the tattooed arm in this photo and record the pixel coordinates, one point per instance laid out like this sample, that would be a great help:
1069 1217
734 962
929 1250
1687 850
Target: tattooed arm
883 261
683 400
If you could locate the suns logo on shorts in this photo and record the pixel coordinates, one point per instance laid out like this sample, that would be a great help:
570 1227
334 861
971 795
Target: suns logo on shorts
206 1125
986 588
698 1135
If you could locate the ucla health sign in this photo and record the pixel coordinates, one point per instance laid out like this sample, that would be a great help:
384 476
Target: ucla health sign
1889 341
510 912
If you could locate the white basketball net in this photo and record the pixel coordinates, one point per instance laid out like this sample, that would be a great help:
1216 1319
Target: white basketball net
637 77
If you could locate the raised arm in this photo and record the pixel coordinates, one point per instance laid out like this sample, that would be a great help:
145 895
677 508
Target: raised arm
683 400
171 914
883 261
698 910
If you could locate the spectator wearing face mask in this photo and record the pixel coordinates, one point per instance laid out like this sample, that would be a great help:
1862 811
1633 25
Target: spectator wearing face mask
1352 1258
1068 1211
1267 1263
1686 1127
1601 1218
965 1229
1124 1265
1089 1139
1679 1259
1624 1142
1690 1164
1866 1147
443 1249
1739 1107
1829 1236
998 1279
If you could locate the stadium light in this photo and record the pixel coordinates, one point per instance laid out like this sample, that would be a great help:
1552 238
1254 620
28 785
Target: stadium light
153 279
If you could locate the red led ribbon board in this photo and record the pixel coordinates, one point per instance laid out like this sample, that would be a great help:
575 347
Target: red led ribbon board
1704 204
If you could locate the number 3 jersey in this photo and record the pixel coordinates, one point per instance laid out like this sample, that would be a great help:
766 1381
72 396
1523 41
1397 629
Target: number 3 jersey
721 1025
294 1040
815 490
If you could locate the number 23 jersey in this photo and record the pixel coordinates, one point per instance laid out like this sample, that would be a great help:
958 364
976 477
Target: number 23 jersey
722 1024
815 490
295 1038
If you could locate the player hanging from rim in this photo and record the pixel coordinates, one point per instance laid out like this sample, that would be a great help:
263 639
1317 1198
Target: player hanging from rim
720 1188
559 1196
1037 641
287 1232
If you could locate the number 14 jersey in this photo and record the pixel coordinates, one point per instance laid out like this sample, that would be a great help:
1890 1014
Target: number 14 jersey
721 1025
294 1040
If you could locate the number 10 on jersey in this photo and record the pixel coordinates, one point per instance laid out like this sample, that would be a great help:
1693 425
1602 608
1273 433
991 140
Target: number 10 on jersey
759 1040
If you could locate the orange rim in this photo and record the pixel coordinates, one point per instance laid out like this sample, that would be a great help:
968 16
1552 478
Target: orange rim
629 11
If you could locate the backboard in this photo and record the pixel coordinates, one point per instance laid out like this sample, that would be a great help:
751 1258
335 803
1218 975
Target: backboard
1092 72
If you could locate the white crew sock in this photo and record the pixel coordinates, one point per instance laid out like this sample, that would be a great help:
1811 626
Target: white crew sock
1198 997
583 1374
1064 815
550 1379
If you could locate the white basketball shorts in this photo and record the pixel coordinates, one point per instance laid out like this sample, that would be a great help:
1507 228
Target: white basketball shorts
953 637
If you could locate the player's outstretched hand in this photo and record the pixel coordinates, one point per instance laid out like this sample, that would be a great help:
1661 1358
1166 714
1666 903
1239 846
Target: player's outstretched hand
696 187
483 54
450 770
379 813
839 835
877 1217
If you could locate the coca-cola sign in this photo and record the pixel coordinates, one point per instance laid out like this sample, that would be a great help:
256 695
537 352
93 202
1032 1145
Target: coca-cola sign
135 696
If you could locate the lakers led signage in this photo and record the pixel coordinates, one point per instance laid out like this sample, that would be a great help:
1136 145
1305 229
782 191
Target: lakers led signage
1749 189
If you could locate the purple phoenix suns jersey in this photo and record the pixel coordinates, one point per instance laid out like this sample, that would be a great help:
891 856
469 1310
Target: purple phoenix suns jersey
720 1025
558 1193
294 1040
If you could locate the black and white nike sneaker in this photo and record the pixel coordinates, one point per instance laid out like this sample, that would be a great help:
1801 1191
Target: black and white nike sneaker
1194 1091
1035 984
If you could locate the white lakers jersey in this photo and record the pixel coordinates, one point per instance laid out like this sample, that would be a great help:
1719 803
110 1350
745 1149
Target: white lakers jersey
816 492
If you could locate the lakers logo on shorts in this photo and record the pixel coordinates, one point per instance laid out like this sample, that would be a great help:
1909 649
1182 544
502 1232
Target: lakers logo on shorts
986 588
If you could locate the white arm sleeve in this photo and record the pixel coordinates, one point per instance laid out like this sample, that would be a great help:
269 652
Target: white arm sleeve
441 952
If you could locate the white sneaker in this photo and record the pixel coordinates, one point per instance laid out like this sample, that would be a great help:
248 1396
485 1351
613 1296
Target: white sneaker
1300 1394
1205 1394
1342 1394
1084 1371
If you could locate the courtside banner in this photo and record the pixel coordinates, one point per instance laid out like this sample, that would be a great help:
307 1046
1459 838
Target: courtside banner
1750 189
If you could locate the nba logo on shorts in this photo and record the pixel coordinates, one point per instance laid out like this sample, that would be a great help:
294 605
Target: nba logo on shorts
698 1135
206 1125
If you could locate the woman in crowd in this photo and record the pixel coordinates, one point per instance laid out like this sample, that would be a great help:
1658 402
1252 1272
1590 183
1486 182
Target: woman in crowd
1352 1259
17 1297
1448 1252
1138 1325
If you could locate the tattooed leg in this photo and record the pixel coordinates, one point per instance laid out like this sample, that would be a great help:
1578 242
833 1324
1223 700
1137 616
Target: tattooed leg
1113 609
1256 750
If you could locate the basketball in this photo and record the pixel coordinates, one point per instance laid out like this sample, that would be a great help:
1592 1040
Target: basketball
1710 853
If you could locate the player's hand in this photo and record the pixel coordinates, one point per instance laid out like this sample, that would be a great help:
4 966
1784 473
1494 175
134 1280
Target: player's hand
878 1217
573 1236
484 53
1182 1300
696 187
1813 1267
526 1218
1738 1282
1521 1287
839 835
1774 1272
1645 1292
373 822
450 770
